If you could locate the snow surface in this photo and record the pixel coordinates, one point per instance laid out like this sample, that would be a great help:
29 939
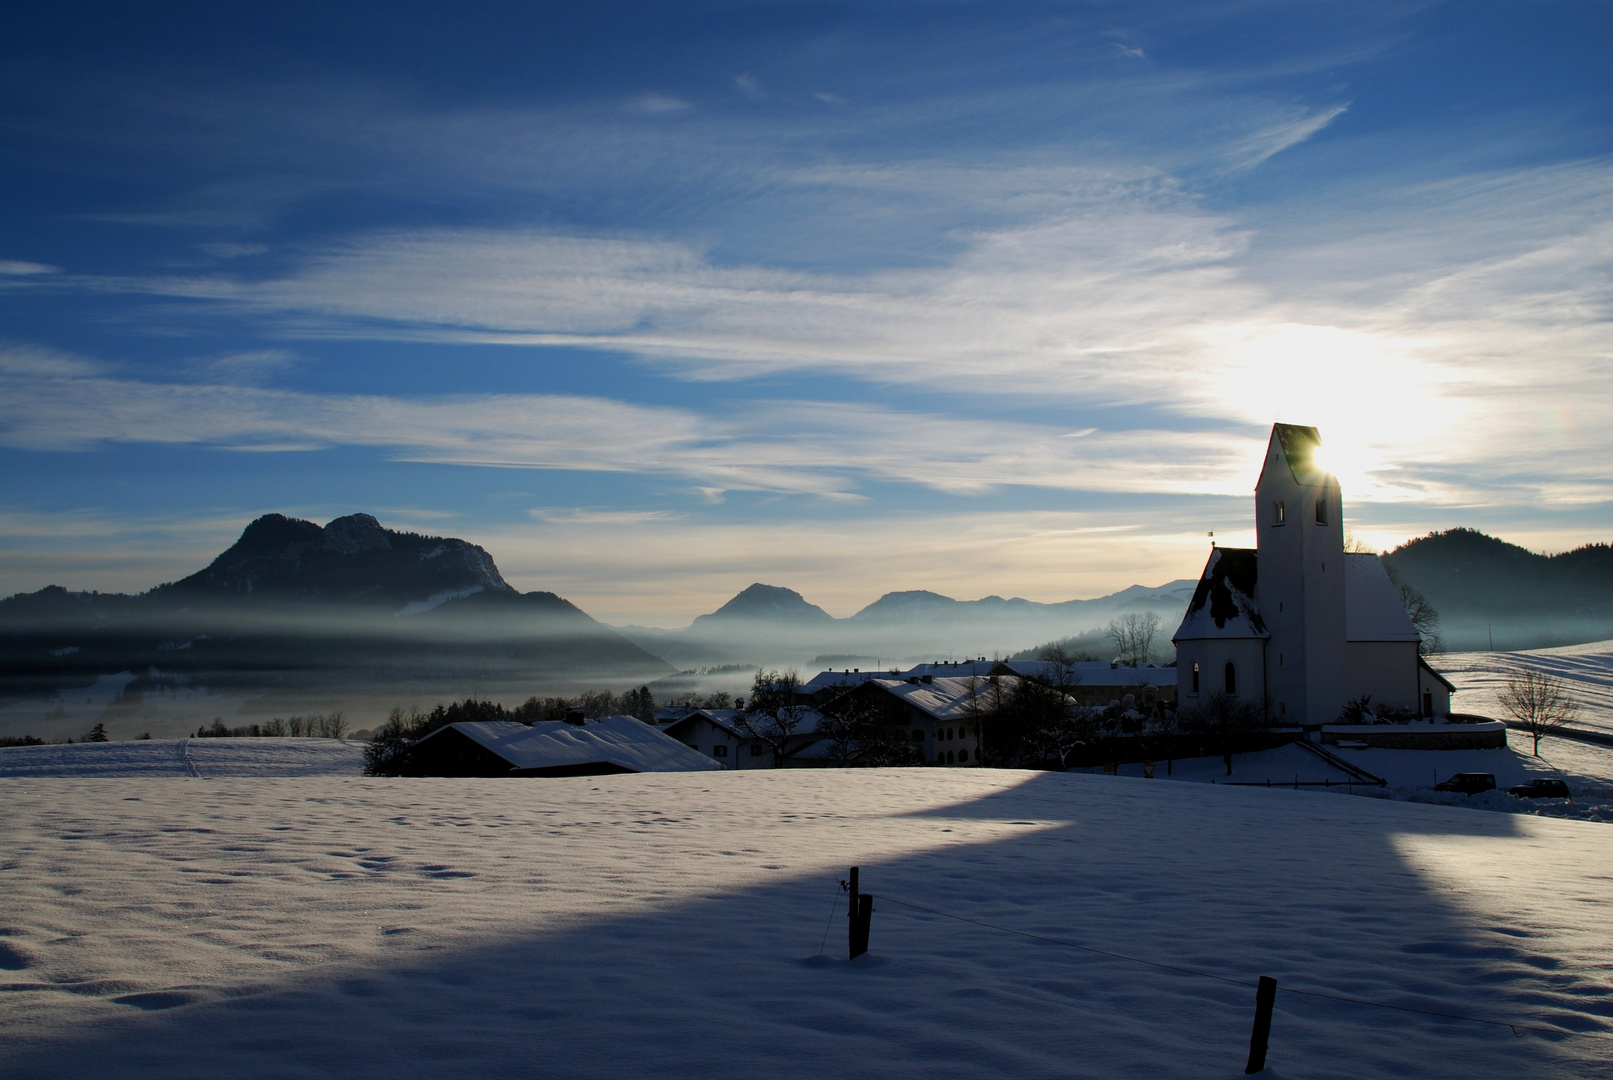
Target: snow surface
1373 610
1586 672
437 600
206 758
1412 774
669 925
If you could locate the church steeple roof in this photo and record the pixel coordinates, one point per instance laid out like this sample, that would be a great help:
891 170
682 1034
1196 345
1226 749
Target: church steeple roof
1299 445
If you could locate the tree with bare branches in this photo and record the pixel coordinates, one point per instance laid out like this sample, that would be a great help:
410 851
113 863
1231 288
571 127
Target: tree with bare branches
773 713
1539 703
1133 636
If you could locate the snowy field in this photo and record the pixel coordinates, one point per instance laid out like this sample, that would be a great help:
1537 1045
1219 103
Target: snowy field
1412 774
1586 672
670 925
203 758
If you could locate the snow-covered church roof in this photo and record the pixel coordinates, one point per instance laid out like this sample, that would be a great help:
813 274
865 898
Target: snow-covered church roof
1373 610
1223 605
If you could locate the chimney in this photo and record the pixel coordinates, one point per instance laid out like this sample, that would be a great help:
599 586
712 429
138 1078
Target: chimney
574 715
739 703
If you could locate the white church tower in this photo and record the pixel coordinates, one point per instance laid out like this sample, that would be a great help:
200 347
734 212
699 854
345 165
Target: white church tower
1300 591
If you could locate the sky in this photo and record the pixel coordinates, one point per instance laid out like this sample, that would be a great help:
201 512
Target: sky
657 300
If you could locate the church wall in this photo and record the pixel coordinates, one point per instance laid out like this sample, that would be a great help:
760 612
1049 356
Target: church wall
1432 693
1247 656
1387 670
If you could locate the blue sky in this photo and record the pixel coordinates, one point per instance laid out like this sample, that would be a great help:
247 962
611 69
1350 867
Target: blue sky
655 301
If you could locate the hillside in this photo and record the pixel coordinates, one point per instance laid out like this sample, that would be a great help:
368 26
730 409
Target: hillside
1482 585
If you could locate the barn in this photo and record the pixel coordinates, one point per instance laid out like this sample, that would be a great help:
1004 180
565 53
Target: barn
610 744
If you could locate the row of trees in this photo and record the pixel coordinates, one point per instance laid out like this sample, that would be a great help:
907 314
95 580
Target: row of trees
315 726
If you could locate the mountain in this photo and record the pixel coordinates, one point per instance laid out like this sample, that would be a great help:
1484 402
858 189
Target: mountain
767 625
352 559
294 603
768 603
1485 587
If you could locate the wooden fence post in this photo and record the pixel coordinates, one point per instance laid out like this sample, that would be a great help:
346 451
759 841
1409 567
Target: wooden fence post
860 914
1265 996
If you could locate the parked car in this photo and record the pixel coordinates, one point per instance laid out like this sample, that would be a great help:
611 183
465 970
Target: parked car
1468 783
1541 787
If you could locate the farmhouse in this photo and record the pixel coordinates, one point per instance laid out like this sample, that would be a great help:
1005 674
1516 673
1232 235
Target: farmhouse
719 734
611 744
1298 626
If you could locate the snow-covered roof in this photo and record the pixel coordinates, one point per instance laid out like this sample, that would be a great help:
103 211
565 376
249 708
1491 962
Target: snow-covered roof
811 720
618 740
827 679
1373 610
1223 605
1094 673
943 698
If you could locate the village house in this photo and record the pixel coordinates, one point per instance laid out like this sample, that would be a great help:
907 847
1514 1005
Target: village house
718 734
1297 626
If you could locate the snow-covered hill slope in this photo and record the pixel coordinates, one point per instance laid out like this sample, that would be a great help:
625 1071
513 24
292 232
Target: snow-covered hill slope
1586 672
670 926
205 758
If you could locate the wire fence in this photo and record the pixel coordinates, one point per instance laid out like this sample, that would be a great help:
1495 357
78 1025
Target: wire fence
1519 1028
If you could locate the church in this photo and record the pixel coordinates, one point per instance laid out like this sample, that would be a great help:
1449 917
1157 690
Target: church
1298 626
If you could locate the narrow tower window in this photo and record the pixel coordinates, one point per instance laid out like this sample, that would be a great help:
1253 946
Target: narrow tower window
1321 511
1232 678
1195 677
1279 512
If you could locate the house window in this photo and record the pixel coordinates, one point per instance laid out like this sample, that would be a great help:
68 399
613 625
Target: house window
949 734
719 751
963 755
950 757
1321 511
756 750
1279 512
1195 677
1232 678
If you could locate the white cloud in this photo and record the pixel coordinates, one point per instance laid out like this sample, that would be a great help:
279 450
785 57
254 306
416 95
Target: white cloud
810 448
1455 350
750 86
659 104
1264 142
21 268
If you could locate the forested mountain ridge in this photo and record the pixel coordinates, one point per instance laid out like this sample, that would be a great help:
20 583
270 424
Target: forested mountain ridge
1484 586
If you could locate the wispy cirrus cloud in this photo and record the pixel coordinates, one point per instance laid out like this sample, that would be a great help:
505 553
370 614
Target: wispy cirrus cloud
811 448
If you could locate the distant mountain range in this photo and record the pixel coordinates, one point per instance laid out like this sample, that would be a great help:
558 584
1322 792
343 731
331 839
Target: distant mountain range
295 604
766 621
1486 588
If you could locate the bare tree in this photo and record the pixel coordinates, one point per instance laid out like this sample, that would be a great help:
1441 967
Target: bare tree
1538 702
772 714
1354 543
1133 636
1424 618
1229 724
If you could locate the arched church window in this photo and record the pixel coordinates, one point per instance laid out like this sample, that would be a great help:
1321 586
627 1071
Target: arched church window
1195 676
1232 678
